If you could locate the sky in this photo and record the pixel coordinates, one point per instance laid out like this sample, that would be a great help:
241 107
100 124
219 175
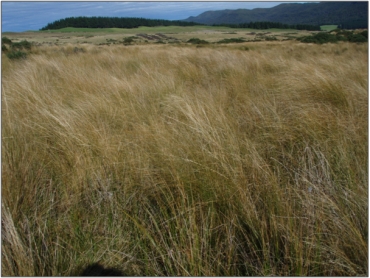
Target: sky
17 16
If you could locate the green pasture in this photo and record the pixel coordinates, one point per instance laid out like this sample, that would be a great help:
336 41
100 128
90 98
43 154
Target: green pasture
328 27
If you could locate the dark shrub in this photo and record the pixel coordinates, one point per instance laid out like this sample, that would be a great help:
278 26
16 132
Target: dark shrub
16 55
22 45
78 50
128 40
364 33
342 38
325 38
197 41
341 35
5 40
232 40
270 38
98 270
345 33
357 38
319 38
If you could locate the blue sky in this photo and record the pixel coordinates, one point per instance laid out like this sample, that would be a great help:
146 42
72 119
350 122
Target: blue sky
17 16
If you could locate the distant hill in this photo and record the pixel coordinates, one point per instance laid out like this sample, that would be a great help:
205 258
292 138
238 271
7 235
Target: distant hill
112 22
346 14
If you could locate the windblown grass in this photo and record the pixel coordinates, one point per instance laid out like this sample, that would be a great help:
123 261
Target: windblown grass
164 160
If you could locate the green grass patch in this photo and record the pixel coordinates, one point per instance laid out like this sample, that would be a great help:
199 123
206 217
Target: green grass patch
328 27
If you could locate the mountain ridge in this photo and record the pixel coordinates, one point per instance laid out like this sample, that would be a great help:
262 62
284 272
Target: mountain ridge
345 14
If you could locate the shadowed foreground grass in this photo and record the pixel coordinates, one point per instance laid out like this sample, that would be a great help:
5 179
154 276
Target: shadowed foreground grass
164 160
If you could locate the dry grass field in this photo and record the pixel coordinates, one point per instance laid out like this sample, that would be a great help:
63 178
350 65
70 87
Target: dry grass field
173 33
237 160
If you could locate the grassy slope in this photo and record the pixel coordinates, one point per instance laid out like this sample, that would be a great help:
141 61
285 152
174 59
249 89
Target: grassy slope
328 27
165 160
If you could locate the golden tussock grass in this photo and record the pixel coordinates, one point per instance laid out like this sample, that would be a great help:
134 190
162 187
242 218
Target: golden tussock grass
174 160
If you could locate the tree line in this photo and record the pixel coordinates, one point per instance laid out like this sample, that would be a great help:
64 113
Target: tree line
354 24
268 25
112 22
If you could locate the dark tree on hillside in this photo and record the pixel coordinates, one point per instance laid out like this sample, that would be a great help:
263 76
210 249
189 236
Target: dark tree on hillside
112 22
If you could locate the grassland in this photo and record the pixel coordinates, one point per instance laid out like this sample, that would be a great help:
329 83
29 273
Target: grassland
180 34
245 159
